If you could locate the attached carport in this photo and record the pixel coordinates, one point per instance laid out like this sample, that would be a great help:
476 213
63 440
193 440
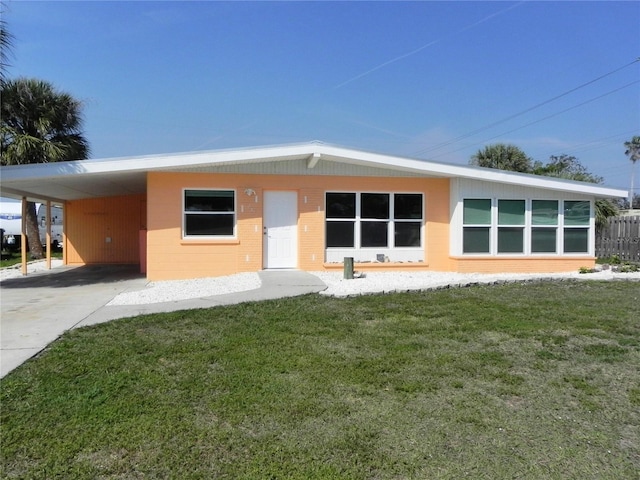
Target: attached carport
63 182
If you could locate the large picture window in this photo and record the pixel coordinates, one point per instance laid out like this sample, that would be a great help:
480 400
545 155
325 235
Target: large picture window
373 220
209 213
525 226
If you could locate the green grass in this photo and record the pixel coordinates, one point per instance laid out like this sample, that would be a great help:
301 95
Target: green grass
538 380
10 259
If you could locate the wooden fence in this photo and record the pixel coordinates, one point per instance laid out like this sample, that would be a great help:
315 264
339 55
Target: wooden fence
621 237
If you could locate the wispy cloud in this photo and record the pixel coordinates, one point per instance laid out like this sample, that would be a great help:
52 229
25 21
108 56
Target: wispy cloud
427 45
377 128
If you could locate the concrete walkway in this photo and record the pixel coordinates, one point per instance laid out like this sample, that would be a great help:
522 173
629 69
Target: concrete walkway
37 309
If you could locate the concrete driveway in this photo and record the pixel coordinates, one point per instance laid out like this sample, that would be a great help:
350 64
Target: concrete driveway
35 310
38 308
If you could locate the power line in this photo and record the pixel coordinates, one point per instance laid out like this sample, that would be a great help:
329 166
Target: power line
547 117
515 115
593 144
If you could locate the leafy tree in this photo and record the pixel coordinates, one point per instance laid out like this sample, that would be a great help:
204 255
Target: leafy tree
633 152
509 157
565 166
570 168
503 157
39 124
605 208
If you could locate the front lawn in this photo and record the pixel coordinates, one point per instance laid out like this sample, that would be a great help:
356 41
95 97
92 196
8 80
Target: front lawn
537 380
9 259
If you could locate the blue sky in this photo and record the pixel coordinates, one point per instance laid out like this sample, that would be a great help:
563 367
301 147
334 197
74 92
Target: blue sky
432 80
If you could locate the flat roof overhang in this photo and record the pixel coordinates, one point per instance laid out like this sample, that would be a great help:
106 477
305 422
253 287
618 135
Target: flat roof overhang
64 181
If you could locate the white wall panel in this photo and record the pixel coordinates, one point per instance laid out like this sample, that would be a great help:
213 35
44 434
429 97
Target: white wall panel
299 167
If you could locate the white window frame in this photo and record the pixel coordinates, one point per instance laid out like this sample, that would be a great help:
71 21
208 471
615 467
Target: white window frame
522 226
490 226
360 253
589 226
555 227
528 228
209 237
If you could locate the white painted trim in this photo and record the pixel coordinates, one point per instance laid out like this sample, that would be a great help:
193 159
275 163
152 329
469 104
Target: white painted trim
369 254
457 227
206 238
16 174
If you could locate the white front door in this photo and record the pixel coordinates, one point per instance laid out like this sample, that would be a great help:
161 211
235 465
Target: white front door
280 239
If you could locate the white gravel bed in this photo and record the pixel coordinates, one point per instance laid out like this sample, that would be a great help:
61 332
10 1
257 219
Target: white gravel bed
374 282
174 290
388 282
371 282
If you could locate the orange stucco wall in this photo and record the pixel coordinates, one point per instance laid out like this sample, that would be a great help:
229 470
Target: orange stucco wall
169 256
104 230
535 264
109 230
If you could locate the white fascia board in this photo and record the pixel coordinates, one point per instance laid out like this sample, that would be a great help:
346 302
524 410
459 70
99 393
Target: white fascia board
549 183
152 162
276 153
477 173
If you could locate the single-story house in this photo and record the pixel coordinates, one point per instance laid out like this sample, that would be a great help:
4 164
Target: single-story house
308 206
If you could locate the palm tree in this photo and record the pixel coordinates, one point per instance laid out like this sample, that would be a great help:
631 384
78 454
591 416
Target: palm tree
6 42
633 152
39 124
502 156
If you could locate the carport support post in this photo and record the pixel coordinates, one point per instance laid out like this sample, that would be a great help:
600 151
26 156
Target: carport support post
23 236
48 236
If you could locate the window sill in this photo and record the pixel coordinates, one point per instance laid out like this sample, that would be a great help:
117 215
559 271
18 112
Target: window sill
210 241
376 265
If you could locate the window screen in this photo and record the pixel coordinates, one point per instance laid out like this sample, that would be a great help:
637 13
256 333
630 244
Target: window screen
576 240
477 212
543 240
341 205
577 212
544 212
475 240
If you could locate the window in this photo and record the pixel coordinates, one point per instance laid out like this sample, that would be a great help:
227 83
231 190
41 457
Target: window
341 215
373 220
476 236
407 208
209 213
544 221
525 226
511 226
577 215
374 225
